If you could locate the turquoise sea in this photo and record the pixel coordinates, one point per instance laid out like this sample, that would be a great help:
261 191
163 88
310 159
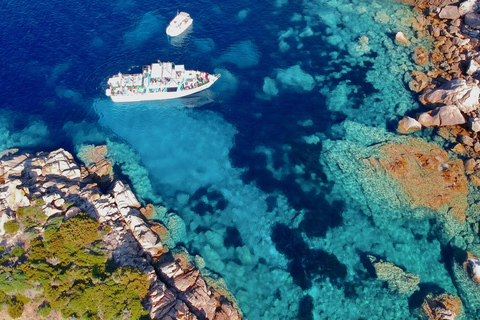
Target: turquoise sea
258 176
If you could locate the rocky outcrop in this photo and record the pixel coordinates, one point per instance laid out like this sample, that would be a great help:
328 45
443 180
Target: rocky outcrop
177 290
442 116
472 266
98 169
408 125
427 175
457 92
428 3
441 307
449 12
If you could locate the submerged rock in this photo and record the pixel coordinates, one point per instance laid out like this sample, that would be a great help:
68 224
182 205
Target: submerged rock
401 38
419 81
398 280
427 175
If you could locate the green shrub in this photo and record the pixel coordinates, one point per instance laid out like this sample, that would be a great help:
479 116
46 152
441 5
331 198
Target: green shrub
79 230
15 308
74 275
34 213
13 282
44 310
51 227
37 251
3 297
2 249
16 252
10 227
4 259
22 298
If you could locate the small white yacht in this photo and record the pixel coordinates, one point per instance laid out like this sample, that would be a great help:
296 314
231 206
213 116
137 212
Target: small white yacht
179 24
158 81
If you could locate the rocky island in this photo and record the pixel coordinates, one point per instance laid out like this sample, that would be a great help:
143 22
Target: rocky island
75 243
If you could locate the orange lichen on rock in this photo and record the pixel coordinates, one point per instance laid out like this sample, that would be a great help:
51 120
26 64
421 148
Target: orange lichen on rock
451 133
444 306
420 55
474 180
149 211
426 175
419 81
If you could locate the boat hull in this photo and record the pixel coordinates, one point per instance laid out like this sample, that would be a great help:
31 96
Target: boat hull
162 95
173 31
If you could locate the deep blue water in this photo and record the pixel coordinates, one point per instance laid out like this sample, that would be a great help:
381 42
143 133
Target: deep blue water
243 174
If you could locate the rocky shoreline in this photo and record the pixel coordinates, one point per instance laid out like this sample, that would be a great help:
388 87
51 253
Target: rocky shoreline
450 88
177 289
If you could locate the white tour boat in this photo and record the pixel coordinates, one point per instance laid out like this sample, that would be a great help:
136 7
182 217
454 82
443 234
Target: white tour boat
179 24
158 81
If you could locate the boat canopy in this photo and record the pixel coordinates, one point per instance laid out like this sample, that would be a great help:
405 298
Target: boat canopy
183 14
156 70
179 68
166 70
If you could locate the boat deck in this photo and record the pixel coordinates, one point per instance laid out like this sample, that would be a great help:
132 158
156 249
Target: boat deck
158 77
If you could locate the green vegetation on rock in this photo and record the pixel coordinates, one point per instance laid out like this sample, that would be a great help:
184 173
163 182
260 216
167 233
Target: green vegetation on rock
71 265
15 308
10 227
32 215
16 252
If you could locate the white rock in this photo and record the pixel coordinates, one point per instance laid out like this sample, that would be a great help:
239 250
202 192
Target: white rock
427 120
474 268
72 212
50 211
60 162
408 124
14 165
401 38
450 115
15 197
473 67
457 92
474 124
449 12
124 198
58 203
468 7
